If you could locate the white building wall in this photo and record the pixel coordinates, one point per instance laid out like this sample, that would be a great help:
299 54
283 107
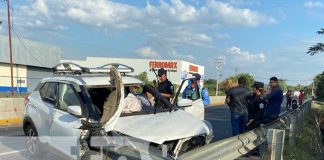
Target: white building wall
19 77
176 68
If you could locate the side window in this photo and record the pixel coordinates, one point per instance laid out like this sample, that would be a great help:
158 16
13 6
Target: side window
191 91
51 91
48 92
43 90
67 97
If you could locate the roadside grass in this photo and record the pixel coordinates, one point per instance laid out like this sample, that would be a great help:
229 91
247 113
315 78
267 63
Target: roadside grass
319 112
307 142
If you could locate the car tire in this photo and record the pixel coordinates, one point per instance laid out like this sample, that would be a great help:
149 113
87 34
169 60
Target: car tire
34 146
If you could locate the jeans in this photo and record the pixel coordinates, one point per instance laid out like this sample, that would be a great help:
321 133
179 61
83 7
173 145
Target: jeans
239 122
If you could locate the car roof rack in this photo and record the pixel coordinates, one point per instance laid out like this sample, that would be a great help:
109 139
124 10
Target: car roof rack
122 68
75 69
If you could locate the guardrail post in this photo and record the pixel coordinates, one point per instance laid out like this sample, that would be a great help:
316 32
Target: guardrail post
276 139
302 118
292 129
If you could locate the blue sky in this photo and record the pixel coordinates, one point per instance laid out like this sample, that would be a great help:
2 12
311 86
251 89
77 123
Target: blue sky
265 38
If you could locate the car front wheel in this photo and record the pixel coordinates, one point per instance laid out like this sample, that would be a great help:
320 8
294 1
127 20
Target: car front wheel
33 144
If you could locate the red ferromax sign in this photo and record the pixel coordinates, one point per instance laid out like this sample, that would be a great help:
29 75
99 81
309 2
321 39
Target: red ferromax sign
193 68
165 65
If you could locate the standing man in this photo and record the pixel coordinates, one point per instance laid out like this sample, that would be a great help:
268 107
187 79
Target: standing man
237 100
165 87
288 98
256 107
301 97
275 99
191 93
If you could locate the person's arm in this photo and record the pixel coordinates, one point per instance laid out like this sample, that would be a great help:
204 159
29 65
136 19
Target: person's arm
184 93
205 97
272 94
170 92
228 97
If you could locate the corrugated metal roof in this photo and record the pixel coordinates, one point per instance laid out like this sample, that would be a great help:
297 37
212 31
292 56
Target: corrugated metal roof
31 53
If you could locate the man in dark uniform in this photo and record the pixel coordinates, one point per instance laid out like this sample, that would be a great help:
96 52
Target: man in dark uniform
165 87
256 106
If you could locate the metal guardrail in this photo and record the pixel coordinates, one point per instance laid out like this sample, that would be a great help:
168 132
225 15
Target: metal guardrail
272 133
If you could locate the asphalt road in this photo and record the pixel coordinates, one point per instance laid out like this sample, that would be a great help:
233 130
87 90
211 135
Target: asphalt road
12 142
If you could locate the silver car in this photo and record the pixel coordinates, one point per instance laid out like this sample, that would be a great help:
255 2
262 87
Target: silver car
78 113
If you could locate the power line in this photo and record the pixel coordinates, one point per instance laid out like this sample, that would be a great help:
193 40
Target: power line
26 48
21 41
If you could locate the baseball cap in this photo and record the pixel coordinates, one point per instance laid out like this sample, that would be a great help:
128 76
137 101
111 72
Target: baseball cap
161 71
197 76
258 85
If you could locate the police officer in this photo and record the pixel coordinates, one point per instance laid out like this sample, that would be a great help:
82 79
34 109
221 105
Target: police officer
165 87
190 91
256 106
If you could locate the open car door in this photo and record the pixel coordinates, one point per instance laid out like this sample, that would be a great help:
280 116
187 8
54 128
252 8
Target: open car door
191 104
114 104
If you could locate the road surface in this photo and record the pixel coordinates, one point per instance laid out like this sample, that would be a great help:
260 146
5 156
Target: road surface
12 142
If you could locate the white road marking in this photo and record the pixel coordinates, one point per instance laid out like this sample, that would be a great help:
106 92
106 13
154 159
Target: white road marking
12 152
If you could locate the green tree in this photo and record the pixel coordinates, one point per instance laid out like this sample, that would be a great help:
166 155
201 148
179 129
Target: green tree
319 86
233 81
319 47
228 83
143 76
210 84
249 77
283 85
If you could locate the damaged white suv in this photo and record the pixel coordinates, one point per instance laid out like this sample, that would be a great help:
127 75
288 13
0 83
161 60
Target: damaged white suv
78 113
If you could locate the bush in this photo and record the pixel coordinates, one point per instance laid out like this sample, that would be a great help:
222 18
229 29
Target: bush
307 141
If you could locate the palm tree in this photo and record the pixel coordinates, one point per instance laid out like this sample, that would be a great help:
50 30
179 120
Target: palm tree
319 47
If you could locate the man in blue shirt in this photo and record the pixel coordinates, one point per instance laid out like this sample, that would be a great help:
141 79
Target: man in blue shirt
190 91
275 99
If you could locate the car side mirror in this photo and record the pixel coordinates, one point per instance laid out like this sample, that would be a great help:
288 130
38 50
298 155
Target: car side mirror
75 110
185 103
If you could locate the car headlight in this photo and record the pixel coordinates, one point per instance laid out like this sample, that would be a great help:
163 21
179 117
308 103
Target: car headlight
209 134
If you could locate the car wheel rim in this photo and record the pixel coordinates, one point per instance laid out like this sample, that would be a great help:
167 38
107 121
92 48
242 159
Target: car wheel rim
31 141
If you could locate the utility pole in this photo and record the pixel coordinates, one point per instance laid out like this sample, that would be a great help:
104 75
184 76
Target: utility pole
10 48
236 71
313 87
219 62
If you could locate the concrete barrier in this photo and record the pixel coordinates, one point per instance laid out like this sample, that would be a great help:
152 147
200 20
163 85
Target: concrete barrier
216 101
11 110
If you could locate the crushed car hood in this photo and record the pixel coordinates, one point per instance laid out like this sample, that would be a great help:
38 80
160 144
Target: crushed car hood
161 127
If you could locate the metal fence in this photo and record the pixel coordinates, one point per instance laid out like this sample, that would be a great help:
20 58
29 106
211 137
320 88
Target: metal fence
269 138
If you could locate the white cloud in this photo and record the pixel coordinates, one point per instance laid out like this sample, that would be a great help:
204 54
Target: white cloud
41 6
175 55
244 56
60 27
2 31
231 15
148 52
171 23
314 4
